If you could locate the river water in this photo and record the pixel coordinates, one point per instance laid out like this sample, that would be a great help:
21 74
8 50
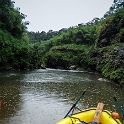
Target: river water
44 96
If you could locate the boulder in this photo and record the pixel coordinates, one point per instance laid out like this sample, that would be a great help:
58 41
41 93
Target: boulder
73 67
43 66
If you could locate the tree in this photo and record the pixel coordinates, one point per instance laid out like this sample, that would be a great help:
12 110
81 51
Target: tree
11 19
117 4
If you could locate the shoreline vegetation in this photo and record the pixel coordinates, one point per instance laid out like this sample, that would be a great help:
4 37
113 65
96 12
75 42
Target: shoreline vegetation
96 46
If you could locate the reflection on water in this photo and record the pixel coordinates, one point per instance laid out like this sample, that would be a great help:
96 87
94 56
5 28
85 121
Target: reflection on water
45 96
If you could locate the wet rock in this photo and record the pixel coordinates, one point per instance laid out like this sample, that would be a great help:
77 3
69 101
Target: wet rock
119 53
43 66
103 42
73 67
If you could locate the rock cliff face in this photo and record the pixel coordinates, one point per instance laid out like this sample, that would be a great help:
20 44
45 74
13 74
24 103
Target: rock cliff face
110 62
118 55
108 57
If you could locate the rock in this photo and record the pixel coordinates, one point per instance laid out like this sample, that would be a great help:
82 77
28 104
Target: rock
73 67
119 51
104 42
102 79
42 66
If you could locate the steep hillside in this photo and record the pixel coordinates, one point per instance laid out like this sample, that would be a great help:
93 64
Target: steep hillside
111 48
15 50
95 46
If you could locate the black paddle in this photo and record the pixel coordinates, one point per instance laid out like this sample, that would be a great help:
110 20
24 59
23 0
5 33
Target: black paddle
119 106
75 103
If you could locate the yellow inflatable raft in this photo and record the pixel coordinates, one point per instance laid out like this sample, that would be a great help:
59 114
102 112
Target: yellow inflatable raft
91 116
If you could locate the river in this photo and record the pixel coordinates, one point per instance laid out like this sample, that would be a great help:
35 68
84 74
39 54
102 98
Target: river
44 96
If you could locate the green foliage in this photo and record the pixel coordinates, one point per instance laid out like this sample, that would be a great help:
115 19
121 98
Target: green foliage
43 36
15 50
116 75
13 53
95 46
111 31
6 43
64 56
106 70
11 19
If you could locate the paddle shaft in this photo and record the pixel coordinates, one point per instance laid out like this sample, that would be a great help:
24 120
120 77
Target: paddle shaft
75 103
119 106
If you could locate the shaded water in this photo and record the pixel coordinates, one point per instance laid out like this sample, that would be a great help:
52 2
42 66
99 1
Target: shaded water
45 96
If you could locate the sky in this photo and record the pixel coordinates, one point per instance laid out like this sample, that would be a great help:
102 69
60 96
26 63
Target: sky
45 15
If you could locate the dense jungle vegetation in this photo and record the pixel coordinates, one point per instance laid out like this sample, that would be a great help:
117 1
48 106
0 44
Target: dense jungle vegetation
95 46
